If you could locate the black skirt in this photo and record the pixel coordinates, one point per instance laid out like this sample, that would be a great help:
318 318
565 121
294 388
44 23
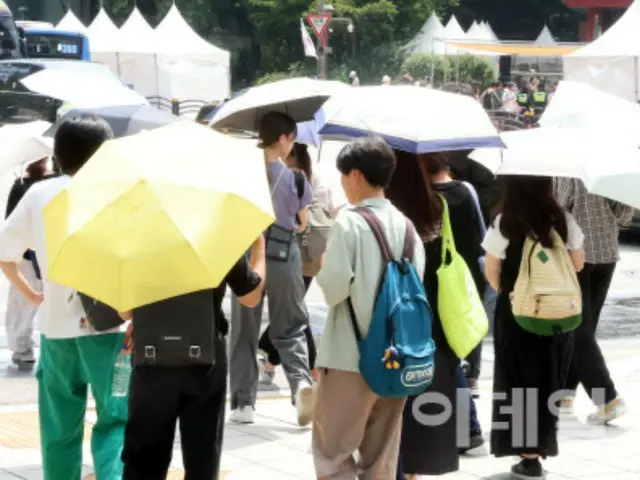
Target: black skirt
528 370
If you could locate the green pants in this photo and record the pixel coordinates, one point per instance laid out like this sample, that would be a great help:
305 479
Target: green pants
67 368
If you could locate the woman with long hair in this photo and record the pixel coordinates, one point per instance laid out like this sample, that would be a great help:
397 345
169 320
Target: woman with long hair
524 362
427 450
299 160
288 317
20 313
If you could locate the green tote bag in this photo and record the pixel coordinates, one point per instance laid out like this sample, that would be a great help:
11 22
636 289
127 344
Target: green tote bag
461 311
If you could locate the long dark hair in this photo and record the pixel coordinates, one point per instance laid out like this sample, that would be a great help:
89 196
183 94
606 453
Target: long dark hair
301 155
529 208
411 192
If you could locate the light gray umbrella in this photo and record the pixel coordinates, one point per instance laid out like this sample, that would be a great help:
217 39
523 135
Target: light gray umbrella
300 98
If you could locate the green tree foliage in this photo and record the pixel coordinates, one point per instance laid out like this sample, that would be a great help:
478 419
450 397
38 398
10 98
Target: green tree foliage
439 70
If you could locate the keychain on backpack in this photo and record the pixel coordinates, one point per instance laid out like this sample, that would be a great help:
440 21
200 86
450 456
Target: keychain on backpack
390 358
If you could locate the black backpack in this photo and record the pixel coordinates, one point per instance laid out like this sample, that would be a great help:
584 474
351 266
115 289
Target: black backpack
176 332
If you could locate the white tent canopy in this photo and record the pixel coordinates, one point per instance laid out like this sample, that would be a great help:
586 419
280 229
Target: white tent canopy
423 42
171 61
477 32
71 23
489 31
177 37
453 30
136 35
102 33
545 39
610 63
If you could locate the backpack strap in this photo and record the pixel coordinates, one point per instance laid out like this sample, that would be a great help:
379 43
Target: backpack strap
378 232
409 241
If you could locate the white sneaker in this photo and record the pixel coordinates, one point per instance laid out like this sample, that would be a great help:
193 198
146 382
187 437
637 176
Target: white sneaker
608 413
243 415
304 404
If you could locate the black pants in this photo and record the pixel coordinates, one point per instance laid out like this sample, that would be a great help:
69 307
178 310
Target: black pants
475 360
267 347
588 366
158 398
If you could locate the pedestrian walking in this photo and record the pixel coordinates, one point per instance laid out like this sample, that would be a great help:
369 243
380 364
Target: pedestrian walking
527 364
348 415
73 358
285 289
175 385
312 243
20 313
413 192
600 220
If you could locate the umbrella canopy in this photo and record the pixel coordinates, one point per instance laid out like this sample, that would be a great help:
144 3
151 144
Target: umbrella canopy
88 89
156 215
23 143
559 152
124 120
579 105
299 98
416 120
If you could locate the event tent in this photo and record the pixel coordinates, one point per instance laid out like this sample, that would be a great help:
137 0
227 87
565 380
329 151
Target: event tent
453 30
545 38
191 68
610 62
71 23
424 42
490 33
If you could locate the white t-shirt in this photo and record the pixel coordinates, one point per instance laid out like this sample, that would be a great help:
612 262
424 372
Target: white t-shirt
61 311
496 245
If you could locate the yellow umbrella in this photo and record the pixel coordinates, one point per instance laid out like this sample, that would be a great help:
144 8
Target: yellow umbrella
157 214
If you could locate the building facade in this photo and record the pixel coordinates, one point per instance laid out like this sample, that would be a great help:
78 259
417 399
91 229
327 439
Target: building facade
52 10
600 15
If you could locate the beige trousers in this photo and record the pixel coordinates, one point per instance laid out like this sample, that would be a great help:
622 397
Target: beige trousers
349 417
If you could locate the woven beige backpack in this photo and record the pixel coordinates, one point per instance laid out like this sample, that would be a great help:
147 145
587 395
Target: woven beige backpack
546 299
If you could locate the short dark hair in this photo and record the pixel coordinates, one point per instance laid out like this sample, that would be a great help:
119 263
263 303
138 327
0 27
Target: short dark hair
272 126
372 157
77 139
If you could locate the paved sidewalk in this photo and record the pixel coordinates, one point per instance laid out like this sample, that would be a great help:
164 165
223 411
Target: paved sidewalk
275 448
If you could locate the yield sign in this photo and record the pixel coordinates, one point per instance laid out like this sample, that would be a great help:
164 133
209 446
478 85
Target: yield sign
320 24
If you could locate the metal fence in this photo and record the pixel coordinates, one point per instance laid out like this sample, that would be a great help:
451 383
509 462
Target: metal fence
189 107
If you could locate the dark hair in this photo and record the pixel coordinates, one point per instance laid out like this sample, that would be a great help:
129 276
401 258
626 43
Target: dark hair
496 84
301 155
372 157
411 192
272 126
435 163
38 169
528 207
77 139
204 111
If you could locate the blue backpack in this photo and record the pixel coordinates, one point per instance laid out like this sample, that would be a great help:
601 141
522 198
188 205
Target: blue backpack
397 355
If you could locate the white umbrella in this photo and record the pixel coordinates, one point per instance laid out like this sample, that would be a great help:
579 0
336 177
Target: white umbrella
579 105
416 120
299 98
608 166
23 143
82 89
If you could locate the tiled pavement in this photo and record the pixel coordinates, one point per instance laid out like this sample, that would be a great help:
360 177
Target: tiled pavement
275 448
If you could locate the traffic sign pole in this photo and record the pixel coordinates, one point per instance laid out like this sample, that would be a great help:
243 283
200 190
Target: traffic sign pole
319 22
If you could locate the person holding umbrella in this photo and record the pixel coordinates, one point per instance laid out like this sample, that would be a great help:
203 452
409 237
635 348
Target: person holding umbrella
288 317
72 357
